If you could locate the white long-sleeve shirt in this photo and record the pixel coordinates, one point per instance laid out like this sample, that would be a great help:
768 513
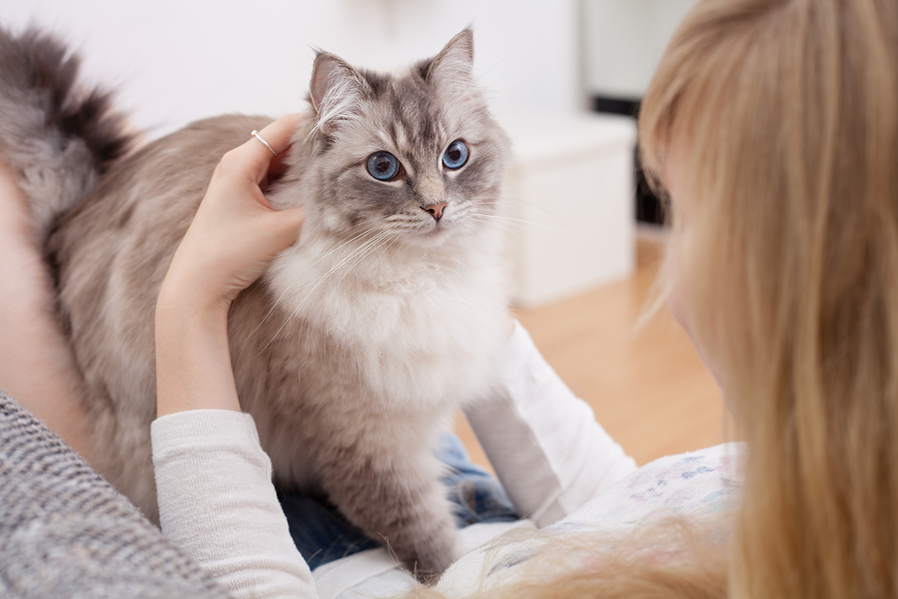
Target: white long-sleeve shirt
557 463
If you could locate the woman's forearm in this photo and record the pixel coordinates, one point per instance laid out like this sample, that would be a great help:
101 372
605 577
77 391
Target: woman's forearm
193 363
217 503
544 442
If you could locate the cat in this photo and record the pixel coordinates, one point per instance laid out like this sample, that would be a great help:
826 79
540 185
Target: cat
353 349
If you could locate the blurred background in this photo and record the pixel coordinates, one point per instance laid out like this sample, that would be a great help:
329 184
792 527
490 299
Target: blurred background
564 76
178 60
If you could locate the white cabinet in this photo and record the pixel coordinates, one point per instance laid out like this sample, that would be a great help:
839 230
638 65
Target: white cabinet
570 203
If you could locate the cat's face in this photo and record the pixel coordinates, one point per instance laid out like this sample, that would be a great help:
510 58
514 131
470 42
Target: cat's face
413 155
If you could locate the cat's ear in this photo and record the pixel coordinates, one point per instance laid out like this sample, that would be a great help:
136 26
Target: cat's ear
335 92
454 65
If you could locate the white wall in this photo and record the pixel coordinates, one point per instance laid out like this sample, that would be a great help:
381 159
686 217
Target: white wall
178 60
624 40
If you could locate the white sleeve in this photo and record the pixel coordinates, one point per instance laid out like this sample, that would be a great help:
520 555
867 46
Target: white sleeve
545 444
217 503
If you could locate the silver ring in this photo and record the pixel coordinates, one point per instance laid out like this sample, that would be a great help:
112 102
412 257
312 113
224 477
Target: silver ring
265 143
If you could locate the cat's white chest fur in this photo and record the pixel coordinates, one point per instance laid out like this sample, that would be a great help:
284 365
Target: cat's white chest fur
420 326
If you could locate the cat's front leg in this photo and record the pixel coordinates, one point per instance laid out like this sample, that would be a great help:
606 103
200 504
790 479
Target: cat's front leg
399 501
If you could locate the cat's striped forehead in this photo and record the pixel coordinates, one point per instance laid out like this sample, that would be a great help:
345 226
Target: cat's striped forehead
414 115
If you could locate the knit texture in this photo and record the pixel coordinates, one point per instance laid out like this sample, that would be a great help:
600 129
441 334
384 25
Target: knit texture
65 532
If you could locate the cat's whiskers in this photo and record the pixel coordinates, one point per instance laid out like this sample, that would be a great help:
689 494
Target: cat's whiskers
408 222
520 222
384 247
487 220
289 288
357 255
336 249
382 239
470 221
317 282
510 200
288 291
354 257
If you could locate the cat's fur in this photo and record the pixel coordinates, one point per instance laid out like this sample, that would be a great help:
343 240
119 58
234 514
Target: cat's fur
57 137
354 347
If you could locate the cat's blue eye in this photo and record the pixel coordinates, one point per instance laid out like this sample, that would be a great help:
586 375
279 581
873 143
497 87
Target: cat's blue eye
456 155
383 166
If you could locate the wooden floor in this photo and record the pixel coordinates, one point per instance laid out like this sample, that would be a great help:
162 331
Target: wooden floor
648 387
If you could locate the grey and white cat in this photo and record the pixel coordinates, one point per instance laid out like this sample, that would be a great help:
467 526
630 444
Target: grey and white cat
353 349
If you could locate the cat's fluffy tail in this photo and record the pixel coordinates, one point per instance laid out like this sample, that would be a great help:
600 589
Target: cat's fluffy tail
56 135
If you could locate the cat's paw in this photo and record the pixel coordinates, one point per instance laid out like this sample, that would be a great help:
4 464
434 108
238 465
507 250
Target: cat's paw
431 556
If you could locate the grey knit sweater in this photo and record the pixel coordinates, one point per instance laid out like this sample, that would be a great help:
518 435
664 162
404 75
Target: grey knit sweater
65 532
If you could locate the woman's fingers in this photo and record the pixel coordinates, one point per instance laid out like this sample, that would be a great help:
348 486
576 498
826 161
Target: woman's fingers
277 135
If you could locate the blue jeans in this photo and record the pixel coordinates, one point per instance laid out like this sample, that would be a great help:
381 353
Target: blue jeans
322 534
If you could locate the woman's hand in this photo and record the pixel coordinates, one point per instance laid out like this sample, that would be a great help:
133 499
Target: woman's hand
235 233
233 238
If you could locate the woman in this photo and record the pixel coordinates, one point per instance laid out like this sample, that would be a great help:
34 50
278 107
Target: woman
773 125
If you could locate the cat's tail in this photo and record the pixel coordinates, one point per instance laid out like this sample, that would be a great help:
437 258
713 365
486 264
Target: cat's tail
57 136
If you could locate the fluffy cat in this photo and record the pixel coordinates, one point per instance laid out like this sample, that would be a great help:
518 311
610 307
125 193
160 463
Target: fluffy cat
353 349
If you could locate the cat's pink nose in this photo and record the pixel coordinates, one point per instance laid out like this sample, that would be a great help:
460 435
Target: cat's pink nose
436 210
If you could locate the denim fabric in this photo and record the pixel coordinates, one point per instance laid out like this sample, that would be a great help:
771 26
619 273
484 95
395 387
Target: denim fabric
476 495
322 534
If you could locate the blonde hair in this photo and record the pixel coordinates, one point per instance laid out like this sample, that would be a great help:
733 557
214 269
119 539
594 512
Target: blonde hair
670 557
786 113
789 112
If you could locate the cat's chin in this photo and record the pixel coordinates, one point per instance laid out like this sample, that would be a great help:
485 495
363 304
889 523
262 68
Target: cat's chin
434 237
